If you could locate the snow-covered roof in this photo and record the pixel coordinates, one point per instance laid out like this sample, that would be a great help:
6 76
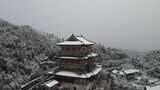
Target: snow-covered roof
76 40
129 71
76 75
52 83
86 57
153 88
123 72
91 55
67 57
118 72
70 43
83 40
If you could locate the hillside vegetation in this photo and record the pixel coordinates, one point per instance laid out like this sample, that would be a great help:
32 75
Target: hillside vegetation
111 57
22 53
149 63
26 54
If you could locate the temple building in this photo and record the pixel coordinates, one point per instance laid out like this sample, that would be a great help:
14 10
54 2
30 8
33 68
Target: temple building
77 64
77 69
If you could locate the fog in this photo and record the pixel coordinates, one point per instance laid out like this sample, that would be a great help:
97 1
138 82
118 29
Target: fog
126 24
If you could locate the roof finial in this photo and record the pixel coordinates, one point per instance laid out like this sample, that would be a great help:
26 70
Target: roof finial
72 34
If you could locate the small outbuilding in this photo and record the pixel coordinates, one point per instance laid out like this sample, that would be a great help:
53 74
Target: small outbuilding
153 88
50 85
129 73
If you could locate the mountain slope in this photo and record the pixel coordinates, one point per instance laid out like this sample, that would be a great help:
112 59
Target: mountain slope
5 23
22 51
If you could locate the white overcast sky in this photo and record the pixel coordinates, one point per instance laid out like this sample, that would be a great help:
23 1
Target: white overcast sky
127 24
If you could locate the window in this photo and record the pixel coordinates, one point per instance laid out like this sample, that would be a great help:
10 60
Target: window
72 62
73 49
77 62
78 49
67 49
84 48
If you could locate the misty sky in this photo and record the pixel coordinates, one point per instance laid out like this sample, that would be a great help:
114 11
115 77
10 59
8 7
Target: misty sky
127 24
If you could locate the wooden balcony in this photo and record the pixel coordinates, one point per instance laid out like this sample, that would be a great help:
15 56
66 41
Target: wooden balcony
74 53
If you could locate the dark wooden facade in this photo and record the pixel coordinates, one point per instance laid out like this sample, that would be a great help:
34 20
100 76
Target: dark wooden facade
77 57
77 51
77 63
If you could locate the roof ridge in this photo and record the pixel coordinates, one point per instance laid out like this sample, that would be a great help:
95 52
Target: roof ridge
80 39
81 42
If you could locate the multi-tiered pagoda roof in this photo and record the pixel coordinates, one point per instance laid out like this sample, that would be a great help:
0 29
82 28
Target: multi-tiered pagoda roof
77 58
85 57
76 40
